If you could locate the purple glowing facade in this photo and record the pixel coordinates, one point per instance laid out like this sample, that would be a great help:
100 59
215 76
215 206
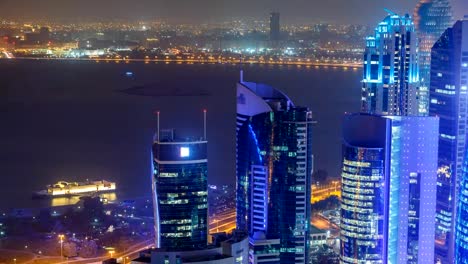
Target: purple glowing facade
389 189
449 100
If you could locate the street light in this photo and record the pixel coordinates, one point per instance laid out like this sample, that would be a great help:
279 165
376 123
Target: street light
14 260
335 183
111 253
61 237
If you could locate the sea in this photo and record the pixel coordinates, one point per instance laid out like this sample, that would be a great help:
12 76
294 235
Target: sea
79 120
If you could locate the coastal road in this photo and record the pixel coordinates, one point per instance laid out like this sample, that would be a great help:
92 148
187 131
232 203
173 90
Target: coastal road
131 253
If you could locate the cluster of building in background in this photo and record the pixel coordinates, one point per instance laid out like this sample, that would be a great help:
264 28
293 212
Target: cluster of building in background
403 181
230 42
404 189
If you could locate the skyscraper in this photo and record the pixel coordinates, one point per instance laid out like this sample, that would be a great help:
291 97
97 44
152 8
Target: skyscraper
180 192
431 18
274 26
389 165
461 231
449 99
390 77
274 169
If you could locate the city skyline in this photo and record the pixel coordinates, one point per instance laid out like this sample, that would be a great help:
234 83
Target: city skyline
348 145
209 11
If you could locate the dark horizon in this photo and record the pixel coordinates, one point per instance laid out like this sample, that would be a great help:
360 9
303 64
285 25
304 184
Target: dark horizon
211 11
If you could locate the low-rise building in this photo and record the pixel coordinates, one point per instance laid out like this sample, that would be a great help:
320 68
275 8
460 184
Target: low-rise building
234 250
318 236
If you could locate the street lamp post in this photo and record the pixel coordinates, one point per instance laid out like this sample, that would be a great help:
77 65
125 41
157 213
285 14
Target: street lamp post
61 237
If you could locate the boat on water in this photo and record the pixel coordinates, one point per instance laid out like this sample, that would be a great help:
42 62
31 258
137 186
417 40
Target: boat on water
63 188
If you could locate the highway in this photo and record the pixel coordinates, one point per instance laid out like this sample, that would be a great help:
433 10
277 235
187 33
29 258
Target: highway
223 222
322 193
131 253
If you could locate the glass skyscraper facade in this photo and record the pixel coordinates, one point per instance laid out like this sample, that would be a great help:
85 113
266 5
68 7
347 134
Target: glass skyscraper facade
461 250
274 169
390 77
389 163
363 200
431 18
449 101
180 193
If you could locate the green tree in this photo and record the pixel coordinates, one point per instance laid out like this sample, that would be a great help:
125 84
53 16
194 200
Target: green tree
88 249
70 249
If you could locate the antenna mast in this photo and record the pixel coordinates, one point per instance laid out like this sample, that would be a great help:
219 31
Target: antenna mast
390 12
204 124
158 126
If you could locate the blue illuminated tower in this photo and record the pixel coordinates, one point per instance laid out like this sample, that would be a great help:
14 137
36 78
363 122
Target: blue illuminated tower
431 18
388 189
390 78
180 192
449 100
461 232
274 169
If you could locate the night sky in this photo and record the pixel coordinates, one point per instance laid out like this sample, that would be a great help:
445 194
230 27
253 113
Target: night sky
366 12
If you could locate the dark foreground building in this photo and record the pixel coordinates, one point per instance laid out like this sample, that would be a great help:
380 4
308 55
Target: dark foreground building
274 168
448 101
180 192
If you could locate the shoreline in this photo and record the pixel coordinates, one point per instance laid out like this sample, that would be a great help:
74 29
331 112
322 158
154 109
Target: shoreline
354 66
31 211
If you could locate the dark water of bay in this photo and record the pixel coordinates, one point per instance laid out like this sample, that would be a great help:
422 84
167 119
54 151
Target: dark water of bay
70 121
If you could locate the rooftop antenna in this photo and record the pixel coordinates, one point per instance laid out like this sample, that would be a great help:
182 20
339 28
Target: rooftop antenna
241 69
390 12
157 113
204 124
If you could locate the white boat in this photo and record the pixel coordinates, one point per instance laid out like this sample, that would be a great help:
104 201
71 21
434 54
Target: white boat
63 188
